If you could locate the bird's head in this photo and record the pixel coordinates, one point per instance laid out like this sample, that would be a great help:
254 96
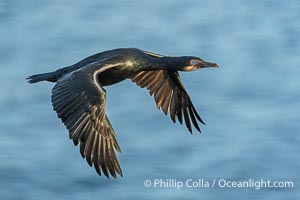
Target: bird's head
191 63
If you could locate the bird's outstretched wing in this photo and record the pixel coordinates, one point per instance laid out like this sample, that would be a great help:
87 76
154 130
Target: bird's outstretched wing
170 95
79 100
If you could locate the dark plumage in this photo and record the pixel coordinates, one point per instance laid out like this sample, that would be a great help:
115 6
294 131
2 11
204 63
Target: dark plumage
79 98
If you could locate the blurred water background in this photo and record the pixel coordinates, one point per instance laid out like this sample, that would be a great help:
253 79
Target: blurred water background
250 104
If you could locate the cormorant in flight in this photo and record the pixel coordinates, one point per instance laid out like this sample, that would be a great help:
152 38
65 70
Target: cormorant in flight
78 97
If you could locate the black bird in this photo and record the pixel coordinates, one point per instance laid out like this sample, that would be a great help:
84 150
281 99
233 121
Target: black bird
78 97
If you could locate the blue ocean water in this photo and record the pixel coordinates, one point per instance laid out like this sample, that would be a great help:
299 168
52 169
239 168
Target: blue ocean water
250 104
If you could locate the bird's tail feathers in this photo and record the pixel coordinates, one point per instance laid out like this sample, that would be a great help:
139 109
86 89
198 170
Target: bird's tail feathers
50 76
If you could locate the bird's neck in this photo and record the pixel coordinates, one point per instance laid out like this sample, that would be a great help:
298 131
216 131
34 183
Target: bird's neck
165 63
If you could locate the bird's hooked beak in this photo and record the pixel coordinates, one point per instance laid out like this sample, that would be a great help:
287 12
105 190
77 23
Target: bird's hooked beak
205 64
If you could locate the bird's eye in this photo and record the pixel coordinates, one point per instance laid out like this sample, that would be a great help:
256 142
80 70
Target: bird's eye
194 62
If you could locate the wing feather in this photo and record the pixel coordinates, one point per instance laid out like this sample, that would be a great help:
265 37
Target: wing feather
169 94
79 100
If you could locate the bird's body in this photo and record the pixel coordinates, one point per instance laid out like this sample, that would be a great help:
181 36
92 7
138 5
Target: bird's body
79 97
